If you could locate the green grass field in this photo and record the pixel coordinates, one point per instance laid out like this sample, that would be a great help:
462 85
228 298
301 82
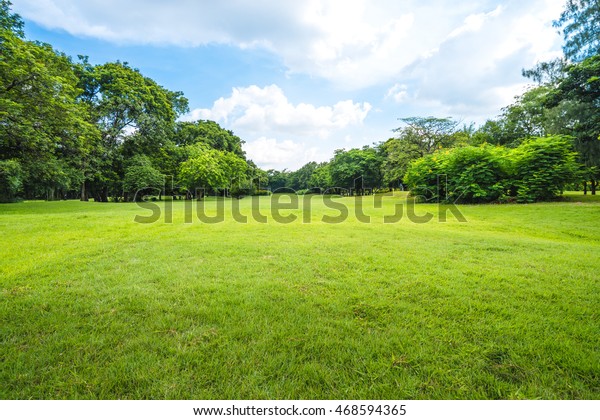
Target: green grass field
506 305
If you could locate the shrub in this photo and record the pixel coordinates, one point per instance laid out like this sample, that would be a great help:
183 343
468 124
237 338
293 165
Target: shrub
262 192
476 174
542 167
539 169
422 176
465 174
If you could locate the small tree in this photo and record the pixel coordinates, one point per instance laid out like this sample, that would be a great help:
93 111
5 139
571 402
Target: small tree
142 178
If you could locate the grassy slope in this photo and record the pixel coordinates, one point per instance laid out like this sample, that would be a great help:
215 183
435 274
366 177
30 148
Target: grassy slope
93 305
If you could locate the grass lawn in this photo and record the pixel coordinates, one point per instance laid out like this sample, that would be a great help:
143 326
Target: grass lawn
505 305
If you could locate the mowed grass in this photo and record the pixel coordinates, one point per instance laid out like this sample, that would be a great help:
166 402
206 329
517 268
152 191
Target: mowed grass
503 306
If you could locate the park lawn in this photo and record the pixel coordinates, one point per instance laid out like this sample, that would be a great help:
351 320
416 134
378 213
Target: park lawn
502 306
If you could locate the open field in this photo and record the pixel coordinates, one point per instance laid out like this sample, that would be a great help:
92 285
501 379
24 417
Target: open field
505 305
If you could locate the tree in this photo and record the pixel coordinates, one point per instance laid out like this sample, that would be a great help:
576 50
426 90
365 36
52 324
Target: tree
321 177
581 90
525 118
428 133
277 179
580 23
356 169
9 21
209 133
142 178
300 179
398 152
42 125
212 169
11 180
127 108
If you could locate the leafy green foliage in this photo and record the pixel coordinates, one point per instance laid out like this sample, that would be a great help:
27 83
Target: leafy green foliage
356 168
399 153
213 169
300 179
42 124
10 21
581 28
321 177
142 178
11 179
542 167
461 175
209 133
537 170
428 133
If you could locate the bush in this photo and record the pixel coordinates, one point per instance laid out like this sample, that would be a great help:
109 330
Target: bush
262 192
542 167
466 174
539 169
422 176
476 174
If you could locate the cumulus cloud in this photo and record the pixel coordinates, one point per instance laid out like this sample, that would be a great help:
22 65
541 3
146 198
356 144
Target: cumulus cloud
435 57
398 92
259 110
271 153
264 115
353 43
476 70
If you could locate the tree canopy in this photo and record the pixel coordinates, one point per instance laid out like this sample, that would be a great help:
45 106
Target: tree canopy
580 23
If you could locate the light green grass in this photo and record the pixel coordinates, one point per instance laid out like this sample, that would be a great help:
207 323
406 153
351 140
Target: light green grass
93 305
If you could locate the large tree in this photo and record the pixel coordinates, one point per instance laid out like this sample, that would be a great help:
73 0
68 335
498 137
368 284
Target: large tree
428 133
212 169
209 133
9 21
581 87
356 169
129 109
42 125
580 23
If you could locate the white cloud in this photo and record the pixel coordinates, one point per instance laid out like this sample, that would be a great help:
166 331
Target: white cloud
271 153
419 57
264 116
474 23
477 69
353 43
258 110
398 92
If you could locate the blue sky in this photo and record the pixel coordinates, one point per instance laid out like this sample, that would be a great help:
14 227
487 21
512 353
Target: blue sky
298 79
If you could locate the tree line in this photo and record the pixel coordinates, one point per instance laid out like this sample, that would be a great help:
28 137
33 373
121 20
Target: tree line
70 129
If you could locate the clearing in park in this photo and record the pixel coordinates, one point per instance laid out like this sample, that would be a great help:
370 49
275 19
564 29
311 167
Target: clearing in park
96 306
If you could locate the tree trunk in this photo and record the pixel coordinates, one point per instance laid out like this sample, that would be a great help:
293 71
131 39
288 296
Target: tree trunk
585 188
593 188
84 196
